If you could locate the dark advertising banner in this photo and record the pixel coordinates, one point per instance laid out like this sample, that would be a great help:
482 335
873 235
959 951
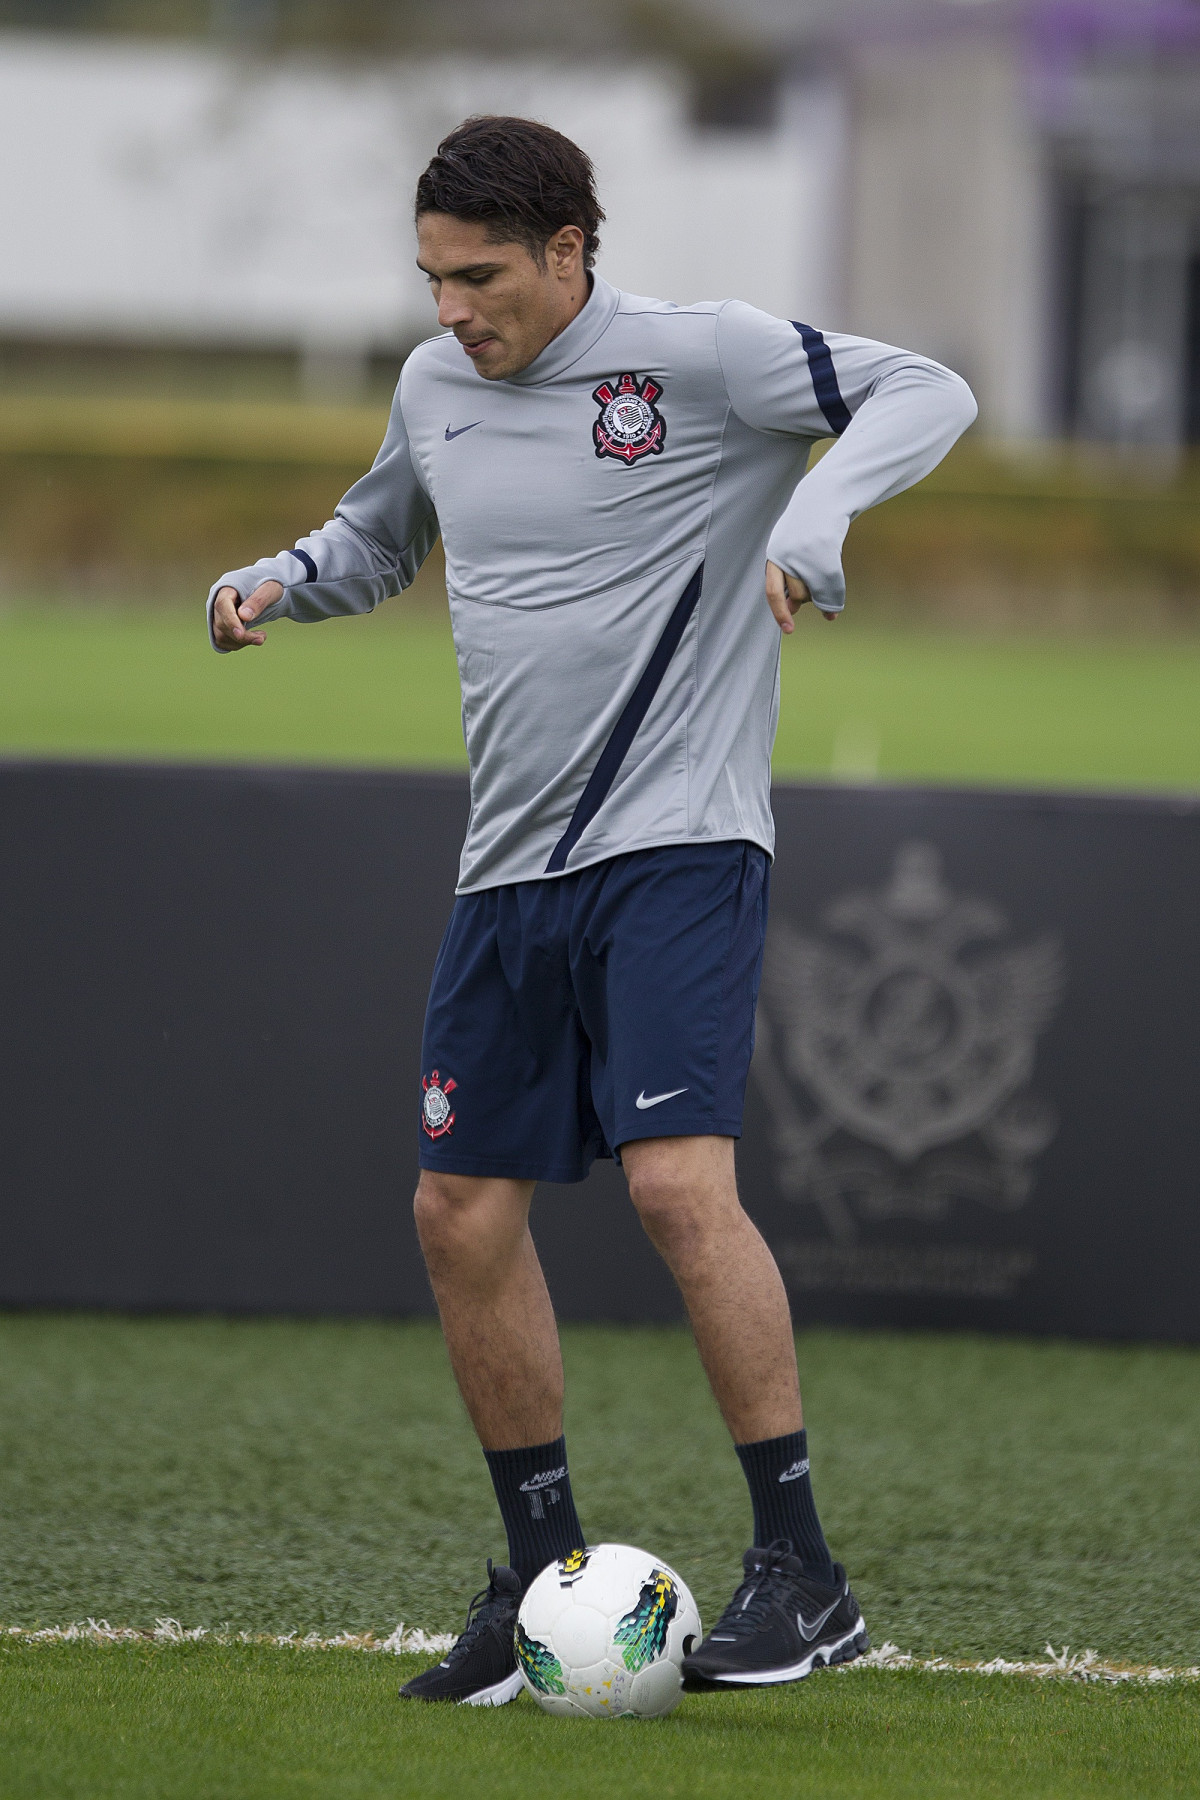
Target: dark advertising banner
973 1104
211 987
975 1096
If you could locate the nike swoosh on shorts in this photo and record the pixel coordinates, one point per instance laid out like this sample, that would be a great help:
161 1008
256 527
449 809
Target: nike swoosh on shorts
453 434
643 1101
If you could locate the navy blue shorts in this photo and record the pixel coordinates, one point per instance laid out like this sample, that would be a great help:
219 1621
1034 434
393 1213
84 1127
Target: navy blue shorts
567 1017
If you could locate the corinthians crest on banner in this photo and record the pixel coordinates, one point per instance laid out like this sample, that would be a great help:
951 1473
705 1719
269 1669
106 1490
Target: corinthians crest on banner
896 1050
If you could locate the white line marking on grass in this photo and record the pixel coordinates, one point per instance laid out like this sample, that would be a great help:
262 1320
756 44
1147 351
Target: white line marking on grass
406 1640
403 1641
1060 1665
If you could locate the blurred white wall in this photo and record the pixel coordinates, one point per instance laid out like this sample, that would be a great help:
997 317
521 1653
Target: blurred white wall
175 193
948 250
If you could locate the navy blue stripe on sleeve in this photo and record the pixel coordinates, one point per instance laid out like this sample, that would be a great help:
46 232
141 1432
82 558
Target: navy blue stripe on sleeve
626 727
824 378
310 567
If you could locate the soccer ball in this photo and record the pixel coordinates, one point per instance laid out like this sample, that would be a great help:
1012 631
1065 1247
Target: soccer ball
602 1633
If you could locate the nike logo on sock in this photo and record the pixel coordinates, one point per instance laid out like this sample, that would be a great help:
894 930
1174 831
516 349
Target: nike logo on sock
796 1471
644 1100
545 1479
453 434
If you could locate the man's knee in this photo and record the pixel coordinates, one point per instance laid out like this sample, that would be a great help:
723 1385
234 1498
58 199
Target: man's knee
461 1218
683 1189
440 1207
665 1206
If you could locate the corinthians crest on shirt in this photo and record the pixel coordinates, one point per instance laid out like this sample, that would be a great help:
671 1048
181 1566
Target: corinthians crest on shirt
437 1118
630 425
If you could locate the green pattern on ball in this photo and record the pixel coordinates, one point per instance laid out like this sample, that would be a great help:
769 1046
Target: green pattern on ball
540 1667
643 1632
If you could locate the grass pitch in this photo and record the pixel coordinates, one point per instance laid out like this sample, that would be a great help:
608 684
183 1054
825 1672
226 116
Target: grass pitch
859 700
78 1723
277 1475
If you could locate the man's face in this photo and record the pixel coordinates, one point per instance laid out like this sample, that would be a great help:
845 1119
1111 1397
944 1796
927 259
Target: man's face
502 305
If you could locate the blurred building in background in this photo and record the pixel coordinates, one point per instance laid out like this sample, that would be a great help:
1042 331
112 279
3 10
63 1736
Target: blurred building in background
173 192
1010 185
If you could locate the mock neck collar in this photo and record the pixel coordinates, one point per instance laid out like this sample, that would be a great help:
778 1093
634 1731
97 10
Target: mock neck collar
575 339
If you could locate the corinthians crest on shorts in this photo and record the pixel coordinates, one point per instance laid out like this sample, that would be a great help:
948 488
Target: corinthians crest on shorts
436 1116
630 425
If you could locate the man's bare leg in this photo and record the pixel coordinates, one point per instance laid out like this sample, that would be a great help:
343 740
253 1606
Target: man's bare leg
804 1614
499 1328
503 1343
496 1313
685 1191
499 1323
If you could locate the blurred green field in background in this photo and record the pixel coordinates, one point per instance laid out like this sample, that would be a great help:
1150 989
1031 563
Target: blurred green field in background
1018 618
146 493
859 699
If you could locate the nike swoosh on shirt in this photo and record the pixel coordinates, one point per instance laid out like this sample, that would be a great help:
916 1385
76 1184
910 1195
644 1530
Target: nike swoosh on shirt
643 1101
453 434
808 1632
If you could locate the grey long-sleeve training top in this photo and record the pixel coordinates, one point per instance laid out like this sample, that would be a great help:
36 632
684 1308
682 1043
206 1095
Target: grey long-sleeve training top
606 514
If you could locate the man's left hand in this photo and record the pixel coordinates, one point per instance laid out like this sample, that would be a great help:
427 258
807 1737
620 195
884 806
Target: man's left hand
786 594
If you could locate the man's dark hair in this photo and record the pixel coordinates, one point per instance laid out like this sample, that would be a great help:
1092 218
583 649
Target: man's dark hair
524 181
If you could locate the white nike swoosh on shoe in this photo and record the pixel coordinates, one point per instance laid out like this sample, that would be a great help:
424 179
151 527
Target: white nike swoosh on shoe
809 1632
644 1100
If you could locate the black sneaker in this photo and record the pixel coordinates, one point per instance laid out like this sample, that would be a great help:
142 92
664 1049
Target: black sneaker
481 1668
779 1626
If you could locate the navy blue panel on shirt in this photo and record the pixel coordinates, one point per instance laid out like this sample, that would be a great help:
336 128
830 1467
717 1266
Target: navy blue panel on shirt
824 378
310 567
626 727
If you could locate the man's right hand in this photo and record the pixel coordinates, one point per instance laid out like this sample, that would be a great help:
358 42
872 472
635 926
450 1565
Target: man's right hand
232 617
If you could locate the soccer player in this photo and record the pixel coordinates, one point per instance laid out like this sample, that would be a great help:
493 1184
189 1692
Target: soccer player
610 477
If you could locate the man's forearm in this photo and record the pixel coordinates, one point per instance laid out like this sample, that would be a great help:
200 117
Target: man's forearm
899 433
